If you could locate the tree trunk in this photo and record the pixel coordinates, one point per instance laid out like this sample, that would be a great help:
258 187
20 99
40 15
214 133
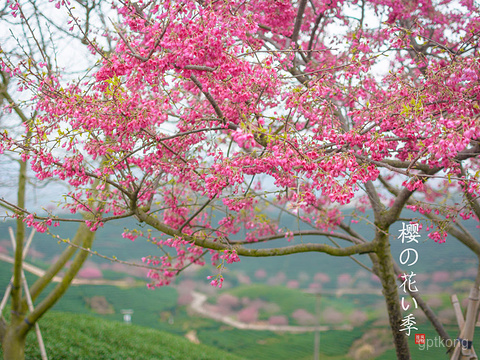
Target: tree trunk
13 344
390 292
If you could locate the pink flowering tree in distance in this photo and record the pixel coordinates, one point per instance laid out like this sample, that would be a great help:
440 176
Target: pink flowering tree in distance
235 108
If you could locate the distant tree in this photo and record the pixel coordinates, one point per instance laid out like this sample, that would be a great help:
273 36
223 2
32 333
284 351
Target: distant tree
184 298
344 280
248 314
278 320
332 316
321 277
90 273
303 317
271 308
208 121
315 286
260 274
358 318
243 279
228 301
293 284
441 276
278 279
435 302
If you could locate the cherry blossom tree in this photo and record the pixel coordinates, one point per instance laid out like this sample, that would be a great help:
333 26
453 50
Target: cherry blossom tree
12 336
250 109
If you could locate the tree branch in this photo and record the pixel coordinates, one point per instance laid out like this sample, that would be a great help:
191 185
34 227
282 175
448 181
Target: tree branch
312 36
199 68
194 215
295 249
351 239
301 248
3 328
374 198
42 282
87 238
298 21
209 97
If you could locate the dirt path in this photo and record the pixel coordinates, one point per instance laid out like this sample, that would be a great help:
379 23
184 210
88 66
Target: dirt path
199 299
77 281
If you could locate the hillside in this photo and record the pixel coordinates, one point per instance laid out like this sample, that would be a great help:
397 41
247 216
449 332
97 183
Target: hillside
83 337
280 287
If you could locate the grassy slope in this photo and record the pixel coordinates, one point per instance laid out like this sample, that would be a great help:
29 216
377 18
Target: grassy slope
82 337
253 345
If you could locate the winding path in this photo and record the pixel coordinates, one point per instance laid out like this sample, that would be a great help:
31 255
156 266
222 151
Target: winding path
197 306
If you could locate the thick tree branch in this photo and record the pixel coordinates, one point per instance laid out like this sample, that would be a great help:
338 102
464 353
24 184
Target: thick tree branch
301 248
295 249
346 237
388 278
402 198
375 201
351 257
209 97
16 294
14 106
3 328
312 36
83 236
300 76
199 68
298 21
42 282
87 238
396 165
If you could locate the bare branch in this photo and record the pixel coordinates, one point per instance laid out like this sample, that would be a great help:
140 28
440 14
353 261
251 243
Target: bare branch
312 36
196 213
200 68
346 237
374 199
209 97
295 249
298 21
